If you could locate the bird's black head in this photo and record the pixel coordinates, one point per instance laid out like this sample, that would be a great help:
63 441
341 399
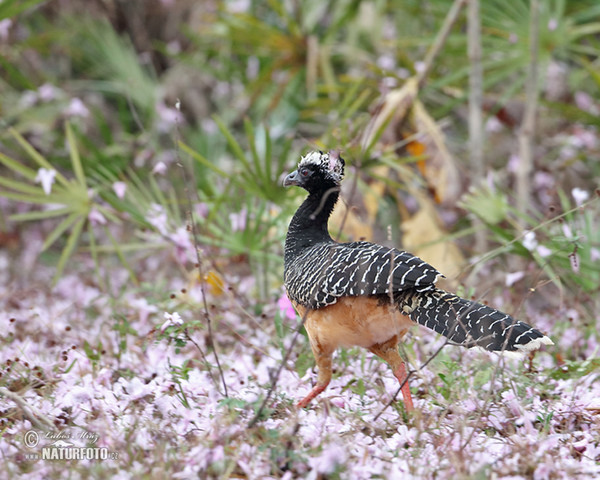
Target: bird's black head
317 171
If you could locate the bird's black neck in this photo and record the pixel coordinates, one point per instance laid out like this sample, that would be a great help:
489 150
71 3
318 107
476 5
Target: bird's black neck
309 224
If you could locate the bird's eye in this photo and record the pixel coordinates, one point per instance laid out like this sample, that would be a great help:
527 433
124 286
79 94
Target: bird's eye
304 172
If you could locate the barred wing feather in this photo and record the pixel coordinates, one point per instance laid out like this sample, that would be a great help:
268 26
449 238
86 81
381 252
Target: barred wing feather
328 271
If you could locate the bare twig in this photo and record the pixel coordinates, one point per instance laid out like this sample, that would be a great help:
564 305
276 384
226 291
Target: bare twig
199 262
527 131
439 41
275 376
408 376
37 418
475 111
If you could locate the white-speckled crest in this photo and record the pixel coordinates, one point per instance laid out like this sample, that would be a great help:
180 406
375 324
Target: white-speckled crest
330 162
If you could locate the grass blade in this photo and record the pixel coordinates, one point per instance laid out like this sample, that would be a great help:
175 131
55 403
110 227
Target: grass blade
74 154
69 248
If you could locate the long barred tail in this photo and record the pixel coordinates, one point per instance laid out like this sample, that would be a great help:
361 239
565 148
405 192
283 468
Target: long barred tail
468 323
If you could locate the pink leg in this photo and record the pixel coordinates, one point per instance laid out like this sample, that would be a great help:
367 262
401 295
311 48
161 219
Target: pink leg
389 352
401 375
312 394
324 377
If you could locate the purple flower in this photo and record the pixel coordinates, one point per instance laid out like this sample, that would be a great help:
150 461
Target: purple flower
202 209
172 319
119 188
167 117
567 232
585 102
513 163
529 241
419 67
580 196
493 125
157 217
512 278
329 459
543 251
47 92
238 220
46 178
77 109
5 25
184 248
160 168
96 217
286 308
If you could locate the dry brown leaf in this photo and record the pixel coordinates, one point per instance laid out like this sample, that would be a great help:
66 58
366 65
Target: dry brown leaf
424 236
375 192
394 108
353 226
439 170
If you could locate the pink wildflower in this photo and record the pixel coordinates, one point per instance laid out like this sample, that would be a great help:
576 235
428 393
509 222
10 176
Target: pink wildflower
157 217
529 241
585 102
329 459
96 217
46 178
184 248
160 168
238 220
77 109
47 92
172 319
580 195
286 308
512 278
543 251
119 188
5 25
202 210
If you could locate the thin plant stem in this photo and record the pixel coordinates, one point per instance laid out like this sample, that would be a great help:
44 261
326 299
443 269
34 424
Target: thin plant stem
527 131
275 376
440 40
194 232
476 132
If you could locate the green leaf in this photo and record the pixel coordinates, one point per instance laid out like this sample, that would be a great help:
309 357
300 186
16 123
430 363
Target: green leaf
40 214
11 8
74 154
20 186
233 144
27 172
69 247
59 230
36 156
202 160
40 199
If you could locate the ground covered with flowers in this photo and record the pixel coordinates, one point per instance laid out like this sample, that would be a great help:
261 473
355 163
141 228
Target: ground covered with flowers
144 332
131 369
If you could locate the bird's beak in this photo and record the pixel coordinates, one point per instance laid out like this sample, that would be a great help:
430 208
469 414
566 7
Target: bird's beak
291 179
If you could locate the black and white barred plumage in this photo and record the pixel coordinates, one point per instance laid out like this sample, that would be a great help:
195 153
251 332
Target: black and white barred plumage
353 269
318 271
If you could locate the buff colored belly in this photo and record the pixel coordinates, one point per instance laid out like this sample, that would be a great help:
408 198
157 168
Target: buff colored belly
354 321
